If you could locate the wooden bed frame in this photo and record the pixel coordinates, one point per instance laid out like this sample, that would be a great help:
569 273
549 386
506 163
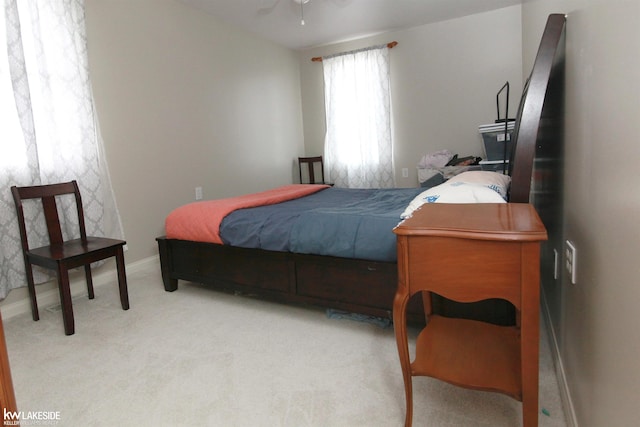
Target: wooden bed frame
368 287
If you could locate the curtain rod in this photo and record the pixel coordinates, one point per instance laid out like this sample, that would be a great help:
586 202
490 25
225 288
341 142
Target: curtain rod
319 58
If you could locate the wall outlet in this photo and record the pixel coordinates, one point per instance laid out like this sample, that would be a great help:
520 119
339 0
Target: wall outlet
198 193
405 172
571 261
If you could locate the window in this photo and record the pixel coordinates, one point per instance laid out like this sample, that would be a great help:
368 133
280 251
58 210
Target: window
358 144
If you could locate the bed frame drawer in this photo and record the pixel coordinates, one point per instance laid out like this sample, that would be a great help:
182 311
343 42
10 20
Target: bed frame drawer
337 279
240 266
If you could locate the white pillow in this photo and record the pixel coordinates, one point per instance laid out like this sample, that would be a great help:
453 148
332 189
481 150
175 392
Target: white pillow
467 187
496 181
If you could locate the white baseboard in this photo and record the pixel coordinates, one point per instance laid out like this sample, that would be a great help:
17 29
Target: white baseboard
565 393
78 285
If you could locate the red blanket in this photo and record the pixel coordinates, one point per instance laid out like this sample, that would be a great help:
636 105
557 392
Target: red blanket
200 221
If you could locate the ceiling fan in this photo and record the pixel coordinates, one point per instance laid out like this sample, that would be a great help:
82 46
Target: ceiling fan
266 9
268 6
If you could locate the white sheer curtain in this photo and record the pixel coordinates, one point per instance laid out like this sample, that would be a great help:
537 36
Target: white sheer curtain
49 130
358 148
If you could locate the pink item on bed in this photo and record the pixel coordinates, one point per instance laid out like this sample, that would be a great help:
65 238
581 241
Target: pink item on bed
200 221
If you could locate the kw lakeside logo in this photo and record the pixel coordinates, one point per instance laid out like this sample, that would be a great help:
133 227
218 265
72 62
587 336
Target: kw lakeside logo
30 418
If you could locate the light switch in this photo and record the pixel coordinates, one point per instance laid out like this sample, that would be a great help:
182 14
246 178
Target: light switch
571 255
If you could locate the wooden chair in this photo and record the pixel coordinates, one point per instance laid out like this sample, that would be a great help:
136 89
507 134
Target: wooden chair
61 255
310 161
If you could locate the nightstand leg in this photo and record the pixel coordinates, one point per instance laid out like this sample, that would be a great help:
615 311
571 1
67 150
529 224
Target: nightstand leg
530 333
400 327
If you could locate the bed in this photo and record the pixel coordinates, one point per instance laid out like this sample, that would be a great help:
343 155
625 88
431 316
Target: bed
356 281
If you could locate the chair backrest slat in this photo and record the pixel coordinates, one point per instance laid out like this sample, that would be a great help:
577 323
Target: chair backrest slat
52 219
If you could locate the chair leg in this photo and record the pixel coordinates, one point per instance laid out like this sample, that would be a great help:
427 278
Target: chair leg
32 290
87 273
65 300
122 279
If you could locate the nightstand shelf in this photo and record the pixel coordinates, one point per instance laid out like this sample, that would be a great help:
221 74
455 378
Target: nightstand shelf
495 365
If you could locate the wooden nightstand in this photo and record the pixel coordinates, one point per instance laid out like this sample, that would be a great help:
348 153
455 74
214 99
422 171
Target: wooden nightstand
467 253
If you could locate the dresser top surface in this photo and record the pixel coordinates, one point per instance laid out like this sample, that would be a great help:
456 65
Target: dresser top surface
484 221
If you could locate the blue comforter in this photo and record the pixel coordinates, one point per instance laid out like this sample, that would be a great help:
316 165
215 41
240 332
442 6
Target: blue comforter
350 223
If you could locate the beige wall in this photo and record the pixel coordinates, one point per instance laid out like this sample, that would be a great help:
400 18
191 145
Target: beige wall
598 327
183 101
444 78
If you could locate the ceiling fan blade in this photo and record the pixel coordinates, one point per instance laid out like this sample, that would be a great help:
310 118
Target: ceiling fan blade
341 3
266 6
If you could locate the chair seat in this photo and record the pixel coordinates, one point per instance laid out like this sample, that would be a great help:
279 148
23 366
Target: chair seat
73 249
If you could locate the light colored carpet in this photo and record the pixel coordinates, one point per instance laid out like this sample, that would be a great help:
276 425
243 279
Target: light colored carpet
197 357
